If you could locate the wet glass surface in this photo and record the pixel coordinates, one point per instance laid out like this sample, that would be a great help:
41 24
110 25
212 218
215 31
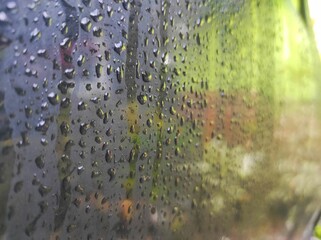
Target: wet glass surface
157 119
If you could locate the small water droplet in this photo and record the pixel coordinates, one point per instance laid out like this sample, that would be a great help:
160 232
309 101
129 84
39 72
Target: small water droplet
71 228
28 112
95 174
86 2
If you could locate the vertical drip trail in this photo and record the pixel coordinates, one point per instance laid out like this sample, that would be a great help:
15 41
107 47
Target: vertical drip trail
165 5
64 143
130 73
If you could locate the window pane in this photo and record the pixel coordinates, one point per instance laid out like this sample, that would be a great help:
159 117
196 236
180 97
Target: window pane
158 119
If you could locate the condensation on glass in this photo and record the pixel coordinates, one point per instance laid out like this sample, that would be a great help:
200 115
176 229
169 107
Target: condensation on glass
156 119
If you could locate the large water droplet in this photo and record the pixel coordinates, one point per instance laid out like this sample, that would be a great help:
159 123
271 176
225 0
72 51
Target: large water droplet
35 34
85 24
40 163
142 98
119 47
46 18
96 15
53 98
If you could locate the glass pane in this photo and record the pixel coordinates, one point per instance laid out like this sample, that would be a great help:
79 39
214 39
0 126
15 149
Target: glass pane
158 119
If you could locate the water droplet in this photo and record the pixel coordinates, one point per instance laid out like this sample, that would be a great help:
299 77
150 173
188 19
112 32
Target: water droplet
35 34
83 128
44 190
119 47
64 128
100 113
142 99
64 28
109 156
149 122
147 77
70 73
88 87
71 228
3 17
109 132
53 98
96 15
86 2
172 110
98 69
80 60
42 126
109 69
46 18
119 91
119 74
18 186
40 163
85 24
11 5
66 43
41 52
80 170
109 11
95 174
44 142
28 112
97 32
20 91
82 106
111 172
65 102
